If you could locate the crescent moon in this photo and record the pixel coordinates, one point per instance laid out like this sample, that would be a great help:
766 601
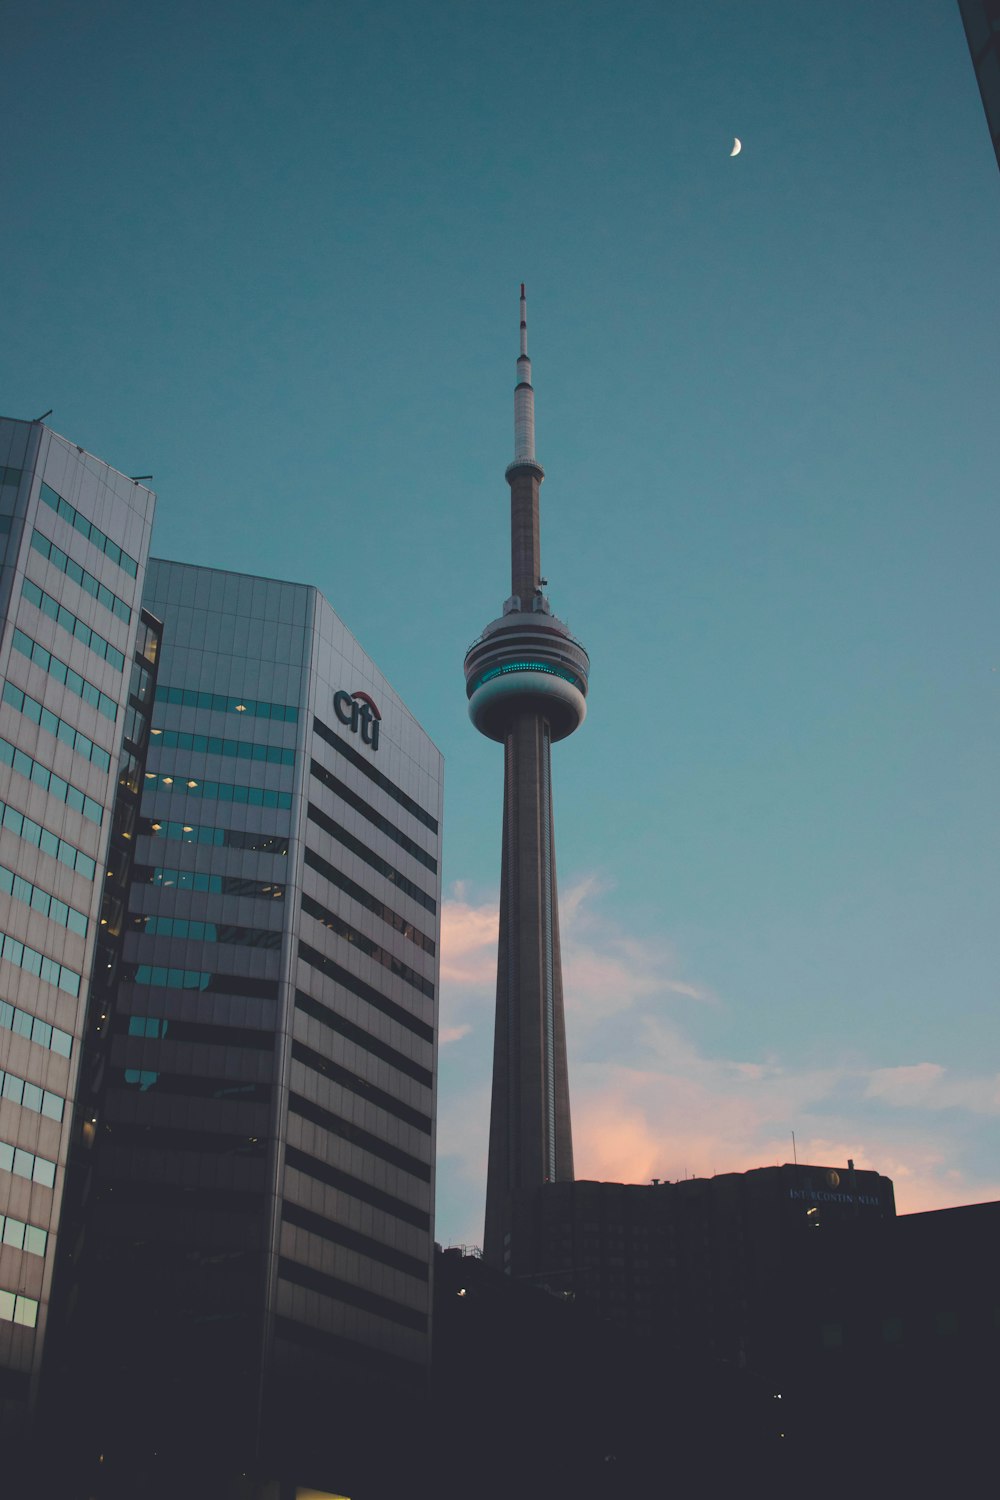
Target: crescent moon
737 146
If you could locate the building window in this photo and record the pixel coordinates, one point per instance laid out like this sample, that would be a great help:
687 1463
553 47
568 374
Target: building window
89 530
344 792
336 742
219 791
43 777
49 843
29 1096
201 833
17 1309
206 932
384 868
52 724
364 898
36 1169
147 643
366 945
22 1236
65 675
198 979
73 624
14 885
212 744
87 581
22 1023
198 880
33 962
284 713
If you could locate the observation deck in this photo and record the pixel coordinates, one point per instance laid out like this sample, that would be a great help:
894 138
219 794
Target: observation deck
526 659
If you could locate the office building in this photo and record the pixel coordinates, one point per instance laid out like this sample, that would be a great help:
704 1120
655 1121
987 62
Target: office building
74 535
526 682
251 1292
981 19
703 1269
897 1343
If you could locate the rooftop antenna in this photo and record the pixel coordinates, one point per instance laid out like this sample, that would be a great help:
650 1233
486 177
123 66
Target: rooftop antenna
795 1158
45 414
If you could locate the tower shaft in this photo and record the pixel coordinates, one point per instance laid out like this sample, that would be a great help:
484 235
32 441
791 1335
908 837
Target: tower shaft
530 1133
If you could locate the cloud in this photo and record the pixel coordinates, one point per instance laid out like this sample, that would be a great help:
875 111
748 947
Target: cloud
930 1086
905 1085
607 970
468 965
447 1034
686 1113
650 1099
469 942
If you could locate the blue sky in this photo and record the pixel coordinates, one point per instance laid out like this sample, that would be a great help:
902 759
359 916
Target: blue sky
271 252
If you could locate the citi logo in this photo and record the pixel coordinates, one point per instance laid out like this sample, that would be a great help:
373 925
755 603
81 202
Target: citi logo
358 709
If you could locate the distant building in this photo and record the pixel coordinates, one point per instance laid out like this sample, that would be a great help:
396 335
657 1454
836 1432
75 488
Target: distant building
539 1396
896 1349
981 19
74 535
250 1290
701 1268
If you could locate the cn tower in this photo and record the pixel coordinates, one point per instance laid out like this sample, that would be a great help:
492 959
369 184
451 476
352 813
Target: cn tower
526 681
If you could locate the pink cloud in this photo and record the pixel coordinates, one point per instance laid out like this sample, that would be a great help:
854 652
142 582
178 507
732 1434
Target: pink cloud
698 1116
447 1034
469 943
681 1111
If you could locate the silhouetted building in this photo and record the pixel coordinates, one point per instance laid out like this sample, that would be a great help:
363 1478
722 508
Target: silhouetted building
700 1267
536 1395
896 1348
74 649
526 681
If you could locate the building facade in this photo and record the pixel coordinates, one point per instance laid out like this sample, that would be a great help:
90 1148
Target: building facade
526 681
981 19
74 536
706 1269
263 1155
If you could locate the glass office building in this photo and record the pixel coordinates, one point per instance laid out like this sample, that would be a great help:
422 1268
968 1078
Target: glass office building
252 1282
981 19
74 536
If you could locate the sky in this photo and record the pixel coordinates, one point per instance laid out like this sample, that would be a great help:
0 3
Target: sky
270 253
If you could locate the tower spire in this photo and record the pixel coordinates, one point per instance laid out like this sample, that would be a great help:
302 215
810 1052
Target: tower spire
524 397
524 475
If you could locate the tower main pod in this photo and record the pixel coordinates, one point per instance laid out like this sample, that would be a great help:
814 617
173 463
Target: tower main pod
526 680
